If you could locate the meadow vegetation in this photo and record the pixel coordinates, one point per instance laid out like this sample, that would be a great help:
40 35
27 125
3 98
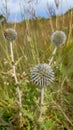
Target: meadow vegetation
33 46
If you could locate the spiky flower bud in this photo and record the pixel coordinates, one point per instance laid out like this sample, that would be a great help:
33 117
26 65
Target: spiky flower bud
58 37
42 75
10 34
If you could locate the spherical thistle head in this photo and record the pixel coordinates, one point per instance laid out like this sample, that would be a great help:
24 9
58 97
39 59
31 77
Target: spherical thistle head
10 34
42 75
58 38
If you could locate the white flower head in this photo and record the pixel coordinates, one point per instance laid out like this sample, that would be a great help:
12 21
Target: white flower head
58 38
42 75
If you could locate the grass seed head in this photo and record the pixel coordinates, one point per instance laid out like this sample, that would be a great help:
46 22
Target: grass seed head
57 3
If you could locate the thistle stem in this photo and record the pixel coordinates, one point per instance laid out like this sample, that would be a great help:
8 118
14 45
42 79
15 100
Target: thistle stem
12 55
41 107
16 82
53 54
41 103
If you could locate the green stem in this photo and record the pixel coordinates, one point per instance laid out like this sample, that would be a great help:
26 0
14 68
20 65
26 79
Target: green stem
41 103
53 54
16 82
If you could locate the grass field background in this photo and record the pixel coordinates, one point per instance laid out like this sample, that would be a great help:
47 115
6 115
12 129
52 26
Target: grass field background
32 46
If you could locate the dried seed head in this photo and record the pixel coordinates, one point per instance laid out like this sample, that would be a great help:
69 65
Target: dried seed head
57 3
10 34
42 75
58 37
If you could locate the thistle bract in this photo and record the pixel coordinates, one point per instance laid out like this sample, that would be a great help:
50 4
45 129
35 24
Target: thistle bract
42 75
58 37
10 34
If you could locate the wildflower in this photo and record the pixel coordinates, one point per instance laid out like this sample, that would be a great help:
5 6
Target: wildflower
58 37
10 34
42 75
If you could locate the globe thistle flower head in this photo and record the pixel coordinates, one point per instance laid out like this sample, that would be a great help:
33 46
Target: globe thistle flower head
10 34
42 75
58 38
